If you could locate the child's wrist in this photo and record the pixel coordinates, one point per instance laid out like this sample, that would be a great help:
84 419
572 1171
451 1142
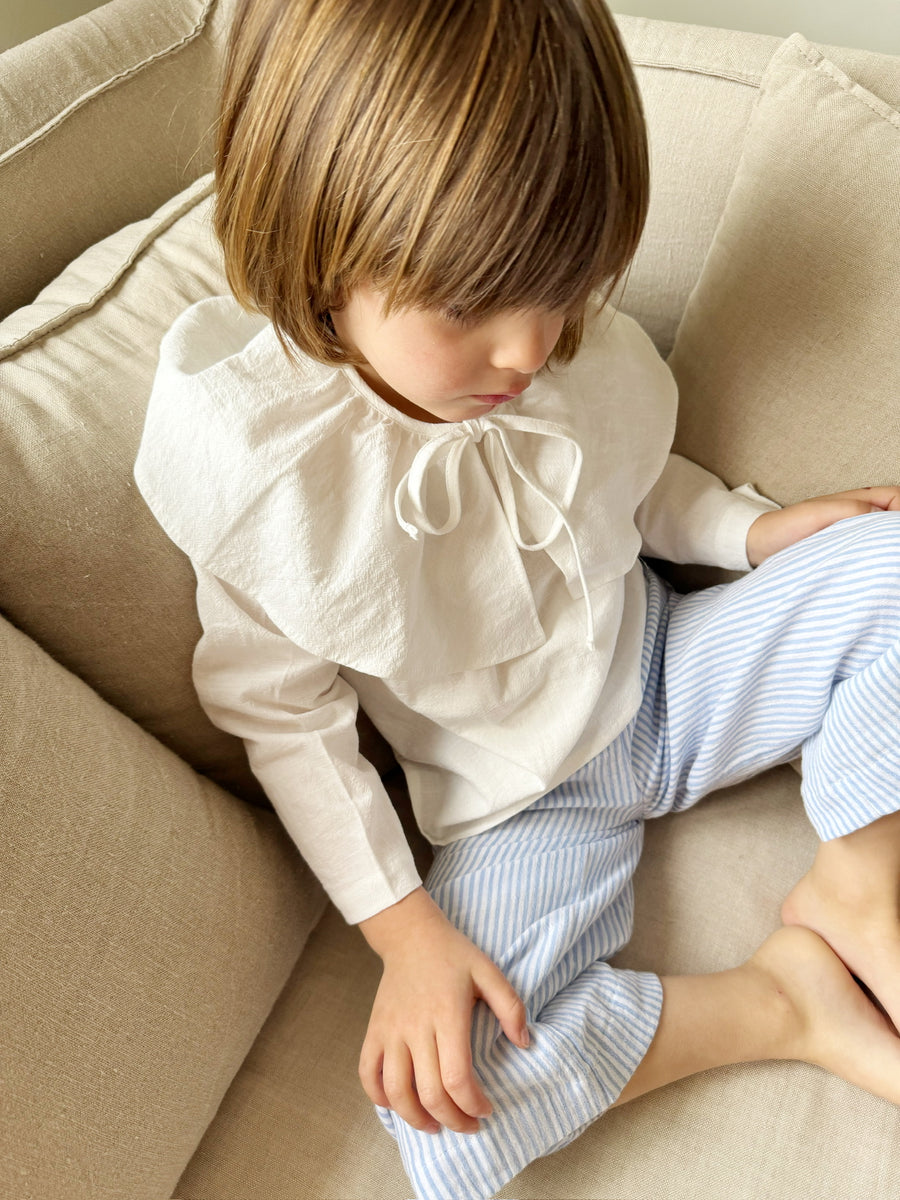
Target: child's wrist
395 926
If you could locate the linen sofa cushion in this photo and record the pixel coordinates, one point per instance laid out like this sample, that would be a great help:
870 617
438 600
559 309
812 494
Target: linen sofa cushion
101 120
699 87
788 355
84 568
148 921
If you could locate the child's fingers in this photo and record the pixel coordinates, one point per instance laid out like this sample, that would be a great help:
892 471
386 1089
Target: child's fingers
832 509
414 1088
401 1092
457 1073
885 498
371 1059
503 1001
442 1075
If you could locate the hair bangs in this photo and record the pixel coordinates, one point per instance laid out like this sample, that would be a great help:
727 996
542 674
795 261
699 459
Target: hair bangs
543 199
463 155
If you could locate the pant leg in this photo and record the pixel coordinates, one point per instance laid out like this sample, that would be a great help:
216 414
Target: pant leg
802 653
548 901
548 896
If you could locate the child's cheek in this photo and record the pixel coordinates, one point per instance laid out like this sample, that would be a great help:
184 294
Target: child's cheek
438 369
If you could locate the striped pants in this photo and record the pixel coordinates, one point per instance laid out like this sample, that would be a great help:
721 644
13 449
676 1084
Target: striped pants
803 652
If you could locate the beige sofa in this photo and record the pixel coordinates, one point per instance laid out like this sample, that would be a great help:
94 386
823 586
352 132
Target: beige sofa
181 1013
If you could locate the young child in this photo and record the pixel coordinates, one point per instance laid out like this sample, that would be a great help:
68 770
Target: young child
414 463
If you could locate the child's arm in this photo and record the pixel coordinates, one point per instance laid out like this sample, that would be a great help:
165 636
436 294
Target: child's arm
773 531
298 720
297 717
416 1058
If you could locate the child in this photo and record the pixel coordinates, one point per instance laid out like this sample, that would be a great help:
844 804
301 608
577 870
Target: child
414 463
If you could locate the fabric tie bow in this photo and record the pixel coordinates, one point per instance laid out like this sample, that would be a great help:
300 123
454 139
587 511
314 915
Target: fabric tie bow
441 457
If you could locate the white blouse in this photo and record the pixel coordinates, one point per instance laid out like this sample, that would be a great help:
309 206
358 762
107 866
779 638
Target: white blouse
474 584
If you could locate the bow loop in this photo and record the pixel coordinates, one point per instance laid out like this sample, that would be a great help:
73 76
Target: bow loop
505 463
436 466
441 455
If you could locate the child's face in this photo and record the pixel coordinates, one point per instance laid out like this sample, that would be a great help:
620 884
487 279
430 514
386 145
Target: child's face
435 368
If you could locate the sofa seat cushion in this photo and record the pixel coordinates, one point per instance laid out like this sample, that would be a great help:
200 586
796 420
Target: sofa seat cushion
788 355
295 1124
148 922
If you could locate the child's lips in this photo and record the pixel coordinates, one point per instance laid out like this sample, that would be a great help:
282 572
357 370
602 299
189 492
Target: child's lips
501 398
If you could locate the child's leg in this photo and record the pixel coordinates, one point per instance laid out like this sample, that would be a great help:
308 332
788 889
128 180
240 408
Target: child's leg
793 999
803 652
851 897
806 651
547 896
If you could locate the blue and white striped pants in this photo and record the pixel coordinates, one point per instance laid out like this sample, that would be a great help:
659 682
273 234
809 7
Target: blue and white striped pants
803 652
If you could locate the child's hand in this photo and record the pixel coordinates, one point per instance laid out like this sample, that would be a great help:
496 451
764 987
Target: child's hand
773 531
416 1058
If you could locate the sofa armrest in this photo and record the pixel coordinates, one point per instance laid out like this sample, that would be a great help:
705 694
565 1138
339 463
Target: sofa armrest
148 922
101 120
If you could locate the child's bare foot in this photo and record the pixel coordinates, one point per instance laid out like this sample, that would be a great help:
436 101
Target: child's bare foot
851 898
838 1027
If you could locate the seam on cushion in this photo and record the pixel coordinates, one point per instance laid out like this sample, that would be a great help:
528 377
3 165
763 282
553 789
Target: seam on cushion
750 80
45 130
874 103
75 310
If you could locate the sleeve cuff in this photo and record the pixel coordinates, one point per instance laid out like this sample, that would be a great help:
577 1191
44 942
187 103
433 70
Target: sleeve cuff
741 507
690 516
370 897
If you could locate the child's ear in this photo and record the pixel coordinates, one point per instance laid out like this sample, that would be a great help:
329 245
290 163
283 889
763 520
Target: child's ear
330 333
333 299
327 317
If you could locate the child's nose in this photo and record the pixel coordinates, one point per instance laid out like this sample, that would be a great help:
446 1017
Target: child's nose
525 342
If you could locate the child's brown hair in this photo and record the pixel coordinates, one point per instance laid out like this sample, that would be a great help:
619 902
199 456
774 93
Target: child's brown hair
463 155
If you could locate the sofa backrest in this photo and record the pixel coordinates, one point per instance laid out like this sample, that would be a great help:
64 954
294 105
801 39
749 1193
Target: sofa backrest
84 570
101 121
108 116
699 88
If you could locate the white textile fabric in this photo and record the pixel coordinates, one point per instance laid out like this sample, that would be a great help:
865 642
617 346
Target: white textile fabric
476 584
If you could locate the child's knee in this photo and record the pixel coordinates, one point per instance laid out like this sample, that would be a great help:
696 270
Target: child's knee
857 575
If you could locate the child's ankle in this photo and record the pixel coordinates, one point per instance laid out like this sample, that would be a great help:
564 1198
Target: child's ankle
861 869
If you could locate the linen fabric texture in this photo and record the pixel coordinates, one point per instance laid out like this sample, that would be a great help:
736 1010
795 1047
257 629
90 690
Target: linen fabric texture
133 95
84 568
117 1044
788 355
475 584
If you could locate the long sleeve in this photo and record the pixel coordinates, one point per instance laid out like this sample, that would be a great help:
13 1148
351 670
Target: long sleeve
690 516
297 717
